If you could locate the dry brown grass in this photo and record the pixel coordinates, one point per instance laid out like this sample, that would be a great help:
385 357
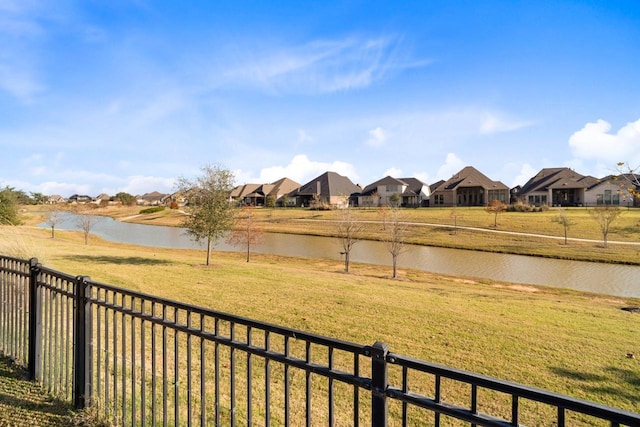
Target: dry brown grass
569 342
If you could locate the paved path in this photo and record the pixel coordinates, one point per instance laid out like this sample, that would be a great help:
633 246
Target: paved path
489 230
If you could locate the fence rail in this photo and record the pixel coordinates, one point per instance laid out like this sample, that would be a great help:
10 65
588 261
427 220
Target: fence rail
143 360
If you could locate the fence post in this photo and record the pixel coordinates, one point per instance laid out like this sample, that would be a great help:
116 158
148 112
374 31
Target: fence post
379 384
83 344
35 321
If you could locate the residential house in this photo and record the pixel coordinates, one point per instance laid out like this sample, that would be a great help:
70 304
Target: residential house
515 194
56 200
79 199
329 190
469 187
102 198
411 192
240 192
556 187
278 190
612 190
175 199
150 199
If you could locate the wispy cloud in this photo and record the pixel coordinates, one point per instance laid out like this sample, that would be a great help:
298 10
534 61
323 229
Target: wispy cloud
300 169
320 66
19 29
494 123
377 137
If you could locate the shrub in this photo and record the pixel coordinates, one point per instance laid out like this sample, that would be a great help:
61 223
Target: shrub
523 207
152 210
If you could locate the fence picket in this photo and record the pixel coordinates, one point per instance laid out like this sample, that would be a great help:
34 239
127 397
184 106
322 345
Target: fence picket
47 323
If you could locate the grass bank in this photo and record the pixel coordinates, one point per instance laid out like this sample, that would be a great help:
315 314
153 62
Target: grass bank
565 341
524 233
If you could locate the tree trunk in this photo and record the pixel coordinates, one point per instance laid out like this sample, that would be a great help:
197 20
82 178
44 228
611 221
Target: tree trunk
346 262
248 250
208 250
395 266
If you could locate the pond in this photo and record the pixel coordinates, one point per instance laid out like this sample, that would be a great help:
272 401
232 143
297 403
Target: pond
609 279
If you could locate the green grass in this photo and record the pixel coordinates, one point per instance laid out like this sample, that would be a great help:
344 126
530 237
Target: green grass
564 341
23 403
435 227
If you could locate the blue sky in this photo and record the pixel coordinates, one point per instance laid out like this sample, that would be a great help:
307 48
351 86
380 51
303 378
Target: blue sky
115 95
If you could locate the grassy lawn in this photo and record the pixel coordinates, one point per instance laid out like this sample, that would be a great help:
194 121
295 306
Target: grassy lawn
435 227
23 402
561 340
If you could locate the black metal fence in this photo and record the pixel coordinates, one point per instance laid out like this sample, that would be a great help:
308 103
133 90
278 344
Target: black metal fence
142 360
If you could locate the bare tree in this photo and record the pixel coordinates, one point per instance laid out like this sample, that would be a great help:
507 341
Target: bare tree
605 216
630 178
455 216
86 223
565 221
495 207
349 232
394 235
631 175
246 233
53 218
210 209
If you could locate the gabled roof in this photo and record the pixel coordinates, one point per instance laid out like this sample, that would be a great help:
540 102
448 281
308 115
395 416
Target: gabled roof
154 196
556 178
433 187
279 187
414 186
329 184
470 177
243 190
387 180
625 181
283 186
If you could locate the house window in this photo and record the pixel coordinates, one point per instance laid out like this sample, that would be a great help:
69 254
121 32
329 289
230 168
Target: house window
392 188
538 200
498 195
607 197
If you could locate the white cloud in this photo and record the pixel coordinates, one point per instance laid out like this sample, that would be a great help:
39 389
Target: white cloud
303 137
139 184
19 81
422 176
526 172
452 164
595 142
377 137
393 172
495 123
300 169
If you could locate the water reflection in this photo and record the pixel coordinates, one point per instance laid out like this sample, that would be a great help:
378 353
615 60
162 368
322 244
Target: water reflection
611 279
